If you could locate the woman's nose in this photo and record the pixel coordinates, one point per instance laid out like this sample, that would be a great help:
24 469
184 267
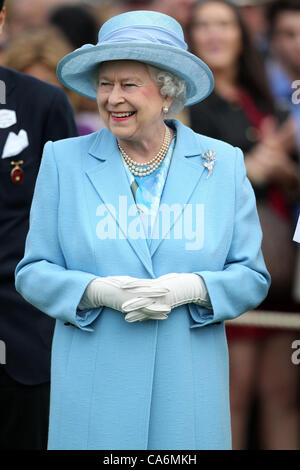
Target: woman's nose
115 96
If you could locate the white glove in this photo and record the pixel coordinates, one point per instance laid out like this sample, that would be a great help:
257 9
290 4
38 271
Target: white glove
183 288
108 291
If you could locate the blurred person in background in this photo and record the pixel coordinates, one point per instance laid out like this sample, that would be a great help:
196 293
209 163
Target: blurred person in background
103 10
284 65
132 5
37 52
253 14
80 25
77 22
27 14
33 113
283 69
241 111
178 9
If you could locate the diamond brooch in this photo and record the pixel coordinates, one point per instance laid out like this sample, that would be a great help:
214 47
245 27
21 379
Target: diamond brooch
209 160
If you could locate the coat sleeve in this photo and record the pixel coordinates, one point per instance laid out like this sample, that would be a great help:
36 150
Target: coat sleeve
41 276
244 281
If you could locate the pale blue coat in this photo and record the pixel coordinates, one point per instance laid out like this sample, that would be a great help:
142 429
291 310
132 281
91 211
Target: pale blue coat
153 384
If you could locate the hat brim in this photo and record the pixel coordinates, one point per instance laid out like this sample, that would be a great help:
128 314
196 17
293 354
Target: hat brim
76 70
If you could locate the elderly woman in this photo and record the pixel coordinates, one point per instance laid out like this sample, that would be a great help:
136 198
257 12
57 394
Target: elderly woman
144 238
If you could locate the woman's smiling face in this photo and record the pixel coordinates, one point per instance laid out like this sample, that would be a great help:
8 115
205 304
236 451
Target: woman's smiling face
216 35
129 100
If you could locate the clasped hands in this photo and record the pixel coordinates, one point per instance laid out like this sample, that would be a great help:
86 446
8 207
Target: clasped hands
145 299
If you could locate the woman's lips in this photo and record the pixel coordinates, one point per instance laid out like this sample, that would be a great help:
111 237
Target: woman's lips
121 118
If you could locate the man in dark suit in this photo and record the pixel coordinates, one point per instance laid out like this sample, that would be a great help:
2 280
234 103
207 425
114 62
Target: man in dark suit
31 113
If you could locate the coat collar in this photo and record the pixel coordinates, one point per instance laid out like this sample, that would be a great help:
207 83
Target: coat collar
110 181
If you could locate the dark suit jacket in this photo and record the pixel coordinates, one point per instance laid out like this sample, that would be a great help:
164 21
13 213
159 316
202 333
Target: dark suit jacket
44 112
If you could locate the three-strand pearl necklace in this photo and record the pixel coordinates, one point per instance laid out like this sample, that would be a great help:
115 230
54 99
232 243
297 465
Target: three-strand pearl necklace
145 169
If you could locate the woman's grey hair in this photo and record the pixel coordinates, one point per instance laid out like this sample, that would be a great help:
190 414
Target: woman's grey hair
169 85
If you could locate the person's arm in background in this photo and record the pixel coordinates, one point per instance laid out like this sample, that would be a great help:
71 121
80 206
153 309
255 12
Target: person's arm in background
269 161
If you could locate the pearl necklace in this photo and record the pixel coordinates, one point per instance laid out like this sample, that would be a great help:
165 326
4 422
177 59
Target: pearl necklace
137 168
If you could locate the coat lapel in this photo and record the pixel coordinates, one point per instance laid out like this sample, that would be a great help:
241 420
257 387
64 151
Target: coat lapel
184 175
111 183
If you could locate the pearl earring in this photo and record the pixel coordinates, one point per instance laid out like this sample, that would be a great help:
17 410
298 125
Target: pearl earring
165 109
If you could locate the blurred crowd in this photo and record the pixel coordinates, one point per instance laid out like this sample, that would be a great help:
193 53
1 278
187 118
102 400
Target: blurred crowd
253 50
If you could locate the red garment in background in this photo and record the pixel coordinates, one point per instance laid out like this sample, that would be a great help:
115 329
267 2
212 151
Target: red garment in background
256 118
278 203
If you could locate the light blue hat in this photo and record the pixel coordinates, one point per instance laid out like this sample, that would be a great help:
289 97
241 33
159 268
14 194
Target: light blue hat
145 36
